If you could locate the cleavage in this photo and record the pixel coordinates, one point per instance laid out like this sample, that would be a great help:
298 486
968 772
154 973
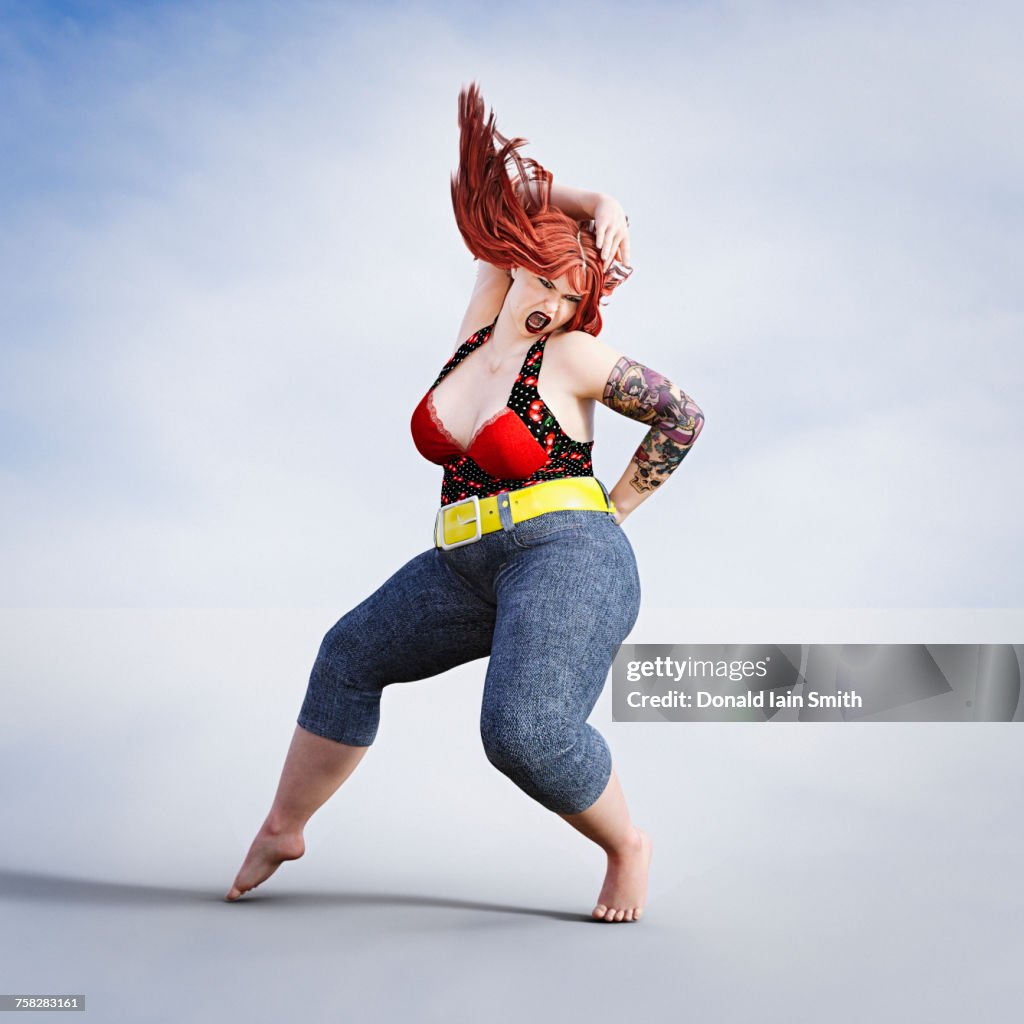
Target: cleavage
471 395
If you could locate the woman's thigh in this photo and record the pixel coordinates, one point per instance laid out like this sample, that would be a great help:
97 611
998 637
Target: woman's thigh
420 622
566 601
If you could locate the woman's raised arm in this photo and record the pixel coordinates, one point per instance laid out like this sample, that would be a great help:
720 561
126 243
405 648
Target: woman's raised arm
489 291
611 225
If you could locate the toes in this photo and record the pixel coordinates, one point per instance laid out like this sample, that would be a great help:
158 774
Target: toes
612 915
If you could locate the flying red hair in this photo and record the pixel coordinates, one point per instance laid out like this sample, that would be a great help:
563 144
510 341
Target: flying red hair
517 227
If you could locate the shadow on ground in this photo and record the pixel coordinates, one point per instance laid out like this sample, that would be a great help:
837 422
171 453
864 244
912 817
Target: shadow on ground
34 887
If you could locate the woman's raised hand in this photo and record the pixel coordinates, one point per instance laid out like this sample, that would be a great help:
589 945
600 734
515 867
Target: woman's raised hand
611 230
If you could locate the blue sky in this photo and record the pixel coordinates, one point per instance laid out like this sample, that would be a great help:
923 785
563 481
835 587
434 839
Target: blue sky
229 271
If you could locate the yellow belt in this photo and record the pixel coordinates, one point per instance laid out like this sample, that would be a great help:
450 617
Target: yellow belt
466 521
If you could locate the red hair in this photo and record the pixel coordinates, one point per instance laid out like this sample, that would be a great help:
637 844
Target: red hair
509 230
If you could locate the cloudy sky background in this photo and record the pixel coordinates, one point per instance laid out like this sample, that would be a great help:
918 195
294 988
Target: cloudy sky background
229 270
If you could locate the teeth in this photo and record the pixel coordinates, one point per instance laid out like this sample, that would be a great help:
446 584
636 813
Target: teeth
537 321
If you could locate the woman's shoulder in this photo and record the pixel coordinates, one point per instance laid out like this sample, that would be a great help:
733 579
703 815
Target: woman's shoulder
582 358
577 348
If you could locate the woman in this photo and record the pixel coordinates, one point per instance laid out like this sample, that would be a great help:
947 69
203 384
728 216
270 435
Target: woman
530 565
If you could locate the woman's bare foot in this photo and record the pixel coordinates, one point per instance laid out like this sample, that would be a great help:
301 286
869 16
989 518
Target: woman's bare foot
269 850
625 885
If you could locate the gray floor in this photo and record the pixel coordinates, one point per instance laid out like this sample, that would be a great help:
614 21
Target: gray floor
837 872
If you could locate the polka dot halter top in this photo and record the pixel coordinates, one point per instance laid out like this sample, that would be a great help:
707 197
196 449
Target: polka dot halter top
521 444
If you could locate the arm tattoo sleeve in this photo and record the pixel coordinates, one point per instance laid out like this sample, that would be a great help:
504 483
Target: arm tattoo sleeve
643 394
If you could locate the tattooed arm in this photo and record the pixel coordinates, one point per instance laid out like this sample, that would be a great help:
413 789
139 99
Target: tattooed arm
676 421
585 368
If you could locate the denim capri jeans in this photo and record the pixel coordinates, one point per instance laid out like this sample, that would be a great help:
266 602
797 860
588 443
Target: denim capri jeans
549 600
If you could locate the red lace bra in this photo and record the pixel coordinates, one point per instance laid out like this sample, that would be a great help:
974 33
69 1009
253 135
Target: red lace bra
519 445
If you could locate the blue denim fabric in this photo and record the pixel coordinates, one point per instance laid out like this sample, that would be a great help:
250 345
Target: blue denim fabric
549 599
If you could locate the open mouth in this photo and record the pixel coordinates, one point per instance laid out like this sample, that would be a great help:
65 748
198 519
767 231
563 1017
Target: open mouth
536 322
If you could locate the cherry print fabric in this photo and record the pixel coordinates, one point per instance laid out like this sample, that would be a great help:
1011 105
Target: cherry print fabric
522 444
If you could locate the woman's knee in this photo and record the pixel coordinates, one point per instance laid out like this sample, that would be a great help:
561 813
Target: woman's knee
343 658
342 700
515 736
565 770
522 745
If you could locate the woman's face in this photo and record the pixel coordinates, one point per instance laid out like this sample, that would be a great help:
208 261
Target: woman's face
540 305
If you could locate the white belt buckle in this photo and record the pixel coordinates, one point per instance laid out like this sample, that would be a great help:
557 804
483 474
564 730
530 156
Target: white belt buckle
439 526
